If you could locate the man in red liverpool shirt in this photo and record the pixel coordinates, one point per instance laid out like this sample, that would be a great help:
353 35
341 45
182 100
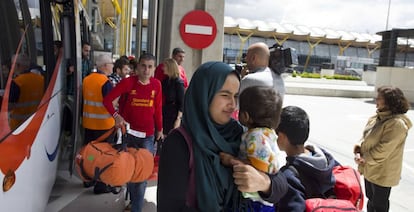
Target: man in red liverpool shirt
178 55
140 105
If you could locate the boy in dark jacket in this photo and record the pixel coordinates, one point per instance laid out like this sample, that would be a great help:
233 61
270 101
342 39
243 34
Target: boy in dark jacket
308 168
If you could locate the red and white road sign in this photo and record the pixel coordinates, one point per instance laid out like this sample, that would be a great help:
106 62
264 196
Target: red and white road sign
198 29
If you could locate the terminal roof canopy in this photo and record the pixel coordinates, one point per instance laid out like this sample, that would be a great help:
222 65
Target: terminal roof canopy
301 33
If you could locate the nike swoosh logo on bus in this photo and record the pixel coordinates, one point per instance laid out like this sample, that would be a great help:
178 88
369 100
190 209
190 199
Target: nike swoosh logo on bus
53 155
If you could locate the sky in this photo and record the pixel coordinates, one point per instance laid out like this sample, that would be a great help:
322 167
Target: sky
363 16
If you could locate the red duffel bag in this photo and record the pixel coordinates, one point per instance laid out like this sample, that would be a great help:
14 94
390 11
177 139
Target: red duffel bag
329 205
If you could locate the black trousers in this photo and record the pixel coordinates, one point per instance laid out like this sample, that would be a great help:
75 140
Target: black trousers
378 197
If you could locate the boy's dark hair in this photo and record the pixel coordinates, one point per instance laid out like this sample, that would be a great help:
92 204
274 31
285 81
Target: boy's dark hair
120 63
177 50
263 104
146 56
294 123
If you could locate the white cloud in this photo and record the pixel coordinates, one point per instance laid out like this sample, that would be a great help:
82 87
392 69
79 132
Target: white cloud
368 16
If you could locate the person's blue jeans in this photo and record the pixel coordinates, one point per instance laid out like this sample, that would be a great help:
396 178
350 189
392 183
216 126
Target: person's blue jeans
137 190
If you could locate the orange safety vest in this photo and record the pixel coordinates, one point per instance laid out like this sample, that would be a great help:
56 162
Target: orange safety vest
95 115
31 86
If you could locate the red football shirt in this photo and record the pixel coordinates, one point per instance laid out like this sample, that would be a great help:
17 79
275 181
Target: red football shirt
142 107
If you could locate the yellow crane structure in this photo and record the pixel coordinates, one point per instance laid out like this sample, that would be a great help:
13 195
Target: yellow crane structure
117 14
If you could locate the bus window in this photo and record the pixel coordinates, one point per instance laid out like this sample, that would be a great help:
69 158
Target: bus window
22 75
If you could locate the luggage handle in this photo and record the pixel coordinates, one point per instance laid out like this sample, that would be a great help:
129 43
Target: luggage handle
123 128
122 132
104 136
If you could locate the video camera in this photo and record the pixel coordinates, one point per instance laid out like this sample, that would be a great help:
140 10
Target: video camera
239 67
282 58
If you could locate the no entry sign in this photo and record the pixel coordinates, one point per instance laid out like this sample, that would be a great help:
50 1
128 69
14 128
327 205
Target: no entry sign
198 29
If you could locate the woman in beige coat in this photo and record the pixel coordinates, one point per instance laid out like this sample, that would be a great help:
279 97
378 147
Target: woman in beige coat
380 154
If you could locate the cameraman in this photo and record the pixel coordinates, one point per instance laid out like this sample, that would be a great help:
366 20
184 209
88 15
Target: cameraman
257 62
